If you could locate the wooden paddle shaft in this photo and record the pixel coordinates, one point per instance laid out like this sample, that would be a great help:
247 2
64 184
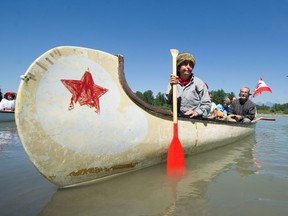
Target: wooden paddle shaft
264 119
174 54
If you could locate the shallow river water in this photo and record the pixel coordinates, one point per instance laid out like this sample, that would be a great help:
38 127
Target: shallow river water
249 177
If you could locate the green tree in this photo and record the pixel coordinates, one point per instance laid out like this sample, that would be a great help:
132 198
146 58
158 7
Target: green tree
160 99
139 94
230 95
218 96
148 97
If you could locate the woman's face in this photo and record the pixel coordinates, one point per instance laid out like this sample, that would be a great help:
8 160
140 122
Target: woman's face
185 70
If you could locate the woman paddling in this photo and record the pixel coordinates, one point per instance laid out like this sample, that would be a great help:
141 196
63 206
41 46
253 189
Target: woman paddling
192 93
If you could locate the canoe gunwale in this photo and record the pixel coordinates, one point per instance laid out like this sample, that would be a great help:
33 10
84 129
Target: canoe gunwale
6 111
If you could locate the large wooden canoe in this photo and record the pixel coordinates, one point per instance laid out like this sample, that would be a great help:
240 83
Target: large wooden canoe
78 120
6 116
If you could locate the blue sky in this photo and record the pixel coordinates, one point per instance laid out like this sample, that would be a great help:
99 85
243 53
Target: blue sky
234 41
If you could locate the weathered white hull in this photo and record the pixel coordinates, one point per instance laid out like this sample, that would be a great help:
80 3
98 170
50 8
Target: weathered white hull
119 134
6 116
157 191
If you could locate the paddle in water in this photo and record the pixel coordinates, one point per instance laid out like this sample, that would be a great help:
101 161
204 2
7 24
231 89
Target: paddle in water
175 159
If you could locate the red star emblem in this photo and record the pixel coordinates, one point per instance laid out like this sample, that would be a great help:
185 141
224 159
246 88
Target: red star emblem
84 91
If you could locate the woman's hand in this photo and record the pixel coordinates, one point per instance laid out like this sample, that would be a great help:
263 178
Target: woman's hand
191 113
173 80
237 118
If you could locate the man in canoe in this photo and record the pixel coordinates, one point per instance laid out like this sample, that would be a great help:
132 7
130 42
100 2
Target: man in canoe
242 109
192 93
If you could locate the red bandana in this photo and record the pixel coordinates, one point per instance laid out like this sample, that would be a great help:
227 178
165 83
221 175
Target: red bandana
184 83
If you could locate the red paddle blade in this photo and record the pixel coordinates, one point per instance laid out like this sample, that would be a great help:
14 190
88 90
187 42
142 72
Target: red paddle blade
175 154
175 162
175 157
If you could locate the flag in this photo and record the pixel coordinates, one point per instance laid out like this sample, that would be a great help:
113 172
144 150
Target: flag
261 87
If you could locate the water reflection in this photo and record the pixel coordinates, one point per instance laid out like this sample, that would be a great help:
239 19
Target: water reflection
8 135
148 192
271 149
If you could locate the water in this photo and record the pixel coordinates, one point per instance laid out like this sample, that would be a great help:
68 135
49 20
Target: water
249 177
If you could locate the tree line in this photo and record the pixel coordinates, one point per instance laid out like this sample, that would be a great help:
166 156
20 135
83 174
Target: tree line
217 97
275 109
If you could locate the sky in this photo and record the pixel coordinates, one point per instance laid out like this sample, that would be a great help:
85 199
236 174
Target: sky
235 42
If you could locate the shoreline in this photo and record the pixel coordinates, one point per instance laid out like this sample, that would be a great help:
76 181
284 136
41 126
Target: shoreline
272 114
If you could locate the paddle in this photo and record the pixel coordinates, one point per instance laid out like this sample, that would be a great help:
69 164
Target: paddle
264 119
175 157
267 119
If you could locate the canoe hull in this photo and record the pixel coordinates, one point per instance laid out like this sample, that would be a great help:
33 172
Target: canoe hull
6 116
78 120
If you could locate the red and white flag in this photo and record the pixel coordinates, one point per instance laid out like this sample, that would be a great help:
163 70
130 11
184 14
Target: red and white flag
261 87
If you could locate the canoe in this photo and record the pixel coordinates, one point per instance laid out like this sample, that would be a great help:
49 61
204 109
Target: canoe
6 116
79 121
